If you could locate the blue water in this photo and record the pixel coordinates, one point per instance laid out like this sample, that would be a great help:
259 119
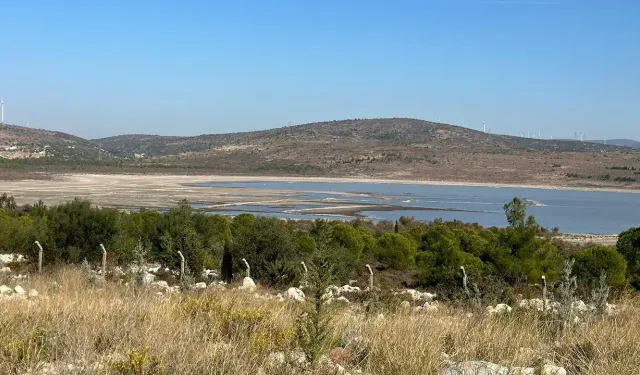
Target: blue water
572 211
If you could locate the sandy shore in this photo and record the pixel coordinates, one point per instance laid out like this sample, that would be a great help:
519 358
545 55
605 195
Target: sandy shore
133 191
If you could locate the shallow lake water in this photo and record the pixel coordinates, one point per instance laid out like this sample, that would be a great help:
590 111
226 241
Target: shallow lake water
572 211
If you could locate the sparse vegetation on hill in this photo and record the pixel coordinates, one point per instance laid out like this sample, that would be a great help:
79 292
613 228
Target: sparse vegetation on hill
392 148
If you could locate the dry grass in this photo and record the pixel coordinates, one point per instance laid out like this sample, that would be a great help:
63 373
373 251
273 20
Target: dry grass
233 332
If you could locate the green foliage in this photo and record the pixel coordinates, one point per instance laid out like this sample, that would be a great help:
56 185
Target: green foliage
592 262
428 254
516 212
138 362
269 247
629 246
396 251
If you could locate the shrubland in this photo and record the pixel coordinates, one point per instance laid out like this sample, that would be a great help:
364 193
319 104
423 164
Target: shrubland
82 322
416 254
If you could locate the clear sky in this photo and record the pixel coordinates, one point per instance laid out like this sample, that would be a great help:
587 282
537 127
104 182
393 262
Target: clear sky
100 68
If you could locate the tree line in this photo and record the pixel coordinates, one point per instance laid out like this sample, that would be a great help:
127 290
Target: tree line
416 253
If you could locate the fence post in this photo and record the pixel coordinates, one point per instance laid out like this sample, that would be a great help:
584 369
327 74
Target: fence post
181 265
248 268
104 260
370 277
39 257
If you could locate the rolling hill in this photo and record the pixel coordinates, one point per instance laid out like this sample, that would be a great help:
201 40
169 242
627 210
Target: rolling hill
392 148
620 142
392 132
19 142
398 148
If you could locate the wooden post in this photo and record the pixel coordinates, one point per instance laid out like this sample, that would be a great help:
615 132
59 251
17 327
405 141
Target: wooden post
544 293
104 260
39 257
248 268
370 277
464 282
181 265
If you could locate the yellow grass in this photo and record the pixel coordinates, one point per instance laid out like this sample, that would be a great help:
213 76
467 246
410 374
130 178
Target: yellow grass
75 328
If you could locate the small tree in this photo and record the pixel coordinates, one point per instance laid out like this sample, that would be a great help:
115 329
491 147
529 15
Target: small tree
516 212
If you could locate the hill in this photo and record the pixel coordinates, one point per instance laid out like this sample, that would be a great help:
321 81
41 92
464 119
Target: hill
18 142
620 142
397 148
362 132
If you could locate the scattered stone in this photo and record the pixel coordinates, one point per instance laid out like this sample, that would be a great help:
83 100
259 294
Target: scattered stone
33 293
484 368
488 368
20 291
5 270
11 258
276 359
5 290
148 278
160 284
430 306
343 300
348 289
211 274
417 296
294 294
405 304
248 284
550 369
499 309
200 285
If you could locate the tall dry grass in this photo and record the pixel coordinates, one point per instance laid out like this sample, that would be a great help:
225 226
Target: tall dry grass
76 328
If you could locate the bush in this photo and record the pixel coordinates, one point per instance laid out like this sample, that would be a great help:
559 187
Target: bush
395 251
629 246
591 262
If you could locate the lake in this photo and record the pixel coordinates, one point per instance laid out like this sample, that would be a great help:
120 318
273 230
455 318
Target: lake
571 210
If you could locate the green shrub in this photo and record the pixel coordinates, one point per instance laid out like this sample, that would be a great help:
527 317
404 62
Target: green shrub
629 246
395 251
591 262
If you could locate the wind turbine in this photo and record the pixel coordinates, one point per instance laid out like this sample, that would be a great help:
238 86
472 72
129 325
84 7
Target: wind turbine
2 106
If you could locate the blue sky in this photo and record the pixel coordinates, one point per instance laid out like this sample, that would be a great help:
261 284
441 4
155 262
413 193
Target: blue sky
191 67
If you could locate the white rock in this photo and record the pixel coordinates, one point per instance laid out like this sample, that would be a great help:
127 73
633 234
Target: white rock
610 309
294 294
417 296
211 274
20 291
200 285
5 270
580 307
5 290
501 308
549 369
430 306
532 304
160 284
248 284
33 293
484 368
9 258
342 299
148 278
349 289
276 359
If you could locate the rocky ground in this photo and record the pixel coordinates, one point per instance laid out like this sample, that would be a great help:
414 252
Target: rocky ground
71 320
